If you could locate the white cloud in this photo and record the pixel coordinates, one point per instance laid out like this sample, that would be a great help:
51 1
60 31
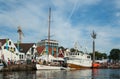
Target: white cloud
117 4
32 16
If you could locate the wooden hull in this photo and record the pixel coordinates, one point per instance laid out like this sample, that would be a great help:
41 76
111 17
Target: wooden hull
74 66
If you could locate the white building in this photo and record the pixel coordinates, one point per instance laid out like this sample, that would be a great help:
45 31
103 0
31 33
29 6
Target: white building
45 42
8 50
27 50
50 47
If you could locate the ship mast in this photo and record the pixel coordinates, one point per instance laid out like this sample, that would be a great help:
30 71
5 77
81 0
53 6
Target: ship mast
49 20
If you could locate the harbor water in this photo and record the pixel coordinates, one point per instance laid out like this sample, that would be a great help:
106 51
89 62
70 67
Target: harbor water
63 74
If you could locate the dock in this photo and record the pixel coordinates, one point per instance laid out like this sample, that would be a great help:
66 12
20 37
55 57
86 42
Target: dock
19 67
27 67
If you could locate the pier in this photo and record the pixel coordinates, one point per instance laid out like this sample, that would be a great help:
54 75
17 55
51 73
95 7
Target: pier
27 67
20 67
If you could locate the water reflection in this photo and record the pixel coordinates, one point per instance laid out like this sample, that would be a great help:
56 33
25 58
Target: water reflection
18 75
51 74
105 73
58 74
76 74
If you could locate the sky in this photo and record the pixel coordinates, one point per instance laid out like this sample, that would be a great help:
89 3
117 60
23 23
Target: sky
71 21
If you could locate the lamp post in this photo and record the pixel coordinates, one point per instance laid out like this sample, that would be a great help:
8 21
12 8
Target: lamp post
93 35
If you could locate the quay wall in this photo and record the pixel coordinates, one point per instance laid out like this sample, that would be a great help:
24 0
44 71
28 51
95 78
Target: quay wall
19 67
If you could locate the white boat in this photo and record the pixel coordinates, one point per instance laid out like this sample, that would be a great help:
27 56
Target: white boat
78 60
54 64
48 67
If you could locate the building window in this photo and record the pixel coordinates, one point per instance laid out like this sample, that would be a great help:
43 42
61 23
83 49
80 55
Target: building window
14 49
4 47
21 56
9 42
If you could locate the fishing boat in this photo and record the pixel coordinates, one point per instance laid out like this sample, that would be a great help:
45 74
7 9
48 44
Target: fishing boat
78 60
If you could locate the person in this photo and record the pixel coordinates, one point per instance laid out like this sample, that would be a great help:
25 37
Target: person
9 61
33 61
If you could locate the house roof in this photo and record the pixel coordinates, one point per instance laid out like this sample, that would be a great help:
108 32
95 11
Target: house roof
3 41
40 49
24 47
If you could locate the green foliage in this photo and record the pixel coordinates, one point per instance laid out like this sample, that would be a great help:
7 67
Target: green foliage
115 54
98 55
74 50
61 47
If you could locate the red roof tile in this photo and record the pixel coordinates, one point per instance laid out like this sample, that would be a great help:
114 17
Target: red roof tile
40 49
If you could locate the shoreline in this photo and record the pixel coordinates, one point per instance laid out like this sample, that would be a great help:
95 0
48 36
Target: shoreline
28 67
19 67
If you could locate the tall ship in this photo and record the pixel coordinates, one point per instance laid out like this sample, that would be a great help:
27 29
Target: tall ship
48 61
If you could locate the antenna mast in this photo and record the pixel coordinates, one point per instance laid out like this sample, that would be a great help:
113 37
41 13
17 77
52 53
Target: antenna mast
20 34
93 35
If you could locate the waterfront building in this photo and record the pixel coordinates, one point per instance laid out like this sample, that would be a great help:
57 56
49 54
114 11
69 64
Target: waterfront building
26 51
48 47
45 42
8 50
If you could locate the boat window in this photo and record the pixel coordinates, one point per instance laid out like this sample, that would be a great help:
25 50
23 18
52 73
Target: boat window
88 56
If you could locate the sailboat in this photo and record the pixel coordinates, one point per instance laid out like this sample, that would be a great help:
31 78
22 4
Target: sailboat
47 66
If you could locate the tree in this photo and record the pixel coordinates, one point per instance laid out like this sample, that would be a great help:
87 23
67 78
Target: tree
72 50
115 54
61 47
98 55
